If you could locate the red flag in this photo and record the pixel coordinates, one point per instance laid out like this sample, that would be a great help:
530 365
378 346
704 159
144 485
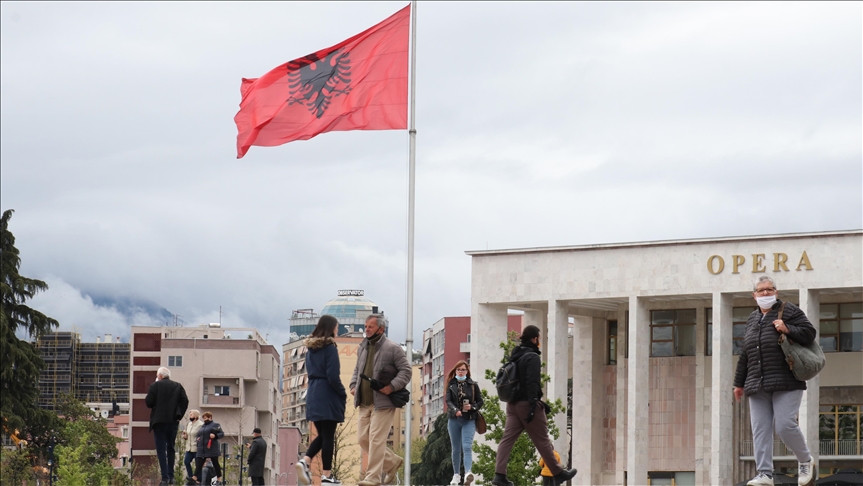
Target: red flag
358 84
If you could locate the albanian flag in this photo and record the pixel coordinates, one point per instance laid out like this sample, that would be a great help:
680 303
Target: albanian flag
358 84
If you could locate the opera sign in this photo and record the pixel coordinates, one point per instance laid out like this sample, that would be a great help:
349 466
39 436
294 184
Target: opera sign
716 264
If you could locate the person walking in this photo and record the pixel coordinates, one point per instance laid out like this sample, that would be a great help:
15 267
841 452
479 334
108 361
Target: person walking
384 360
463 400
167 402
526 412
326 398
764 376
208 445
190 435
257 458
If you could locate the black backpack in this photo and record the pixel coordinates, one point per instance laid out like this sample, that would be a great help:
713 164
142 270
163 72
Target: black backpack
507 381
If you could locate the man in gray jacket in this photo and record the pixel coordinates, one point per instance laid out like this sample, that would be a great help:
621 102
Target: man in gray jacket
384 360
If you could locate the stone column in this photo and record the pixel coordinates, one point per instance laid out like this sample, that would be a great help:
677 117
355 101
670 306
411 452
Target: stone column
585 413
722 391
702 401
620 401
810 304
557 365
487 330
638 394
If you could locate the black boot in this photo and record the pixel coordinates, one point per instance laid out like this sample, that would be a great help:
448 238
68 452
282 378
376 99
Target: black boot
565 476
501 480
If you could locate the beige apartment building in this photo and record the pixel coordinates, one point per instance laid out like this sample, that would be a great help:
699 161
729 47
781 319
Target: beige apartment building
655 329
231 372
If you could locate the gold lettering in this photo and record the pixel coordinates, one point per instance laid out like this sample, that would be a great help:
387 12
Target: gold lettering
779 260
737 260
758 263
804 260
710 264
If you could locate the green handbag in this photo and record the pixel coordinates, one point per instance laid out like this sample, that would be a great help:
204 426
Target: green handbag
805 361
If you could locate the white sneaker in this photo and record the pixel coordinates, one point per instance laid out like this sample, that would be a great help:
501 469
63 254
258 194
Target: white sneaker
331 479
804 472
761 480
456 480
468 478
303 475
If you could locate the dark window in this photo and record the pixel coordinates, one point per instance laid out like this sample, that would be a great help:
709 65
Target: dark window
612 342
175 361
841 327
222 390
672 332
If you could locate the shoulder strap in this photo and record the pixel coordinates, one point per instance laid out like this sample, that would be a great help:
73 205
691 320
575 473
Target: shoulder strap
781 309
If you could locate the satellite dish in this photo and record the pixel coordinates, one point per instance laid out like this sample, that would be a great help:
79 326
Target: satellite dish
104 414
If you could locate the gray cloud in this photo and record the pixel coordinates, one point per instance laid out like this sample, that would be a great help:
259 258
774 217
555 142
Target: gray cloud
539 124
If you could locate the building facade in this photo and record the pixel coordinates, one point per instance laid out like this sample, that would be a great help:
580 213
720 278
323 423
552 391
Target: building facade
652 355
231 372
350 307
91 372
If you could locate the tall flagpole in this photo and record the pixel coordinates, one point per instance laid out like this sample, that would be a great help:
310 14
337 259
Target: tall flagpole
409 340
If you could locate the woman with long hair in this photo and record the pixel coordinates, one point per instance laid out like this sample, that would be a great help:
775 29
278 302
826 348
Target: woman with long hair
463 400
325 399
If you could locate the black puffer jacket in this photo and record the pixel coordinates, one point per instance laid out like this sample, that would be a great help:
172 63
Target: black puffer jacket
529 368
472 394
762 363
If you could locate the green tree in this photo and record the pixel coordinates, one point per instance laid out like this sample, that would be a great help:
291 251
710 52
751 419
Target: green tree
85 447
20 362
435 465
15 466
523 466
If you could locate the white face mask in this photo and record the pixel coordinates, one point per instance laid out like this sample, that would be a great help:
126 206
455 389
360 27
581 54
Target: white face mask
766 302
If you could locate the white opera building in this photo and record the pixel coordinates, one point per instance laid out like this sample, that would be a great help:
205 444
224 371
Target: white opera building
648 332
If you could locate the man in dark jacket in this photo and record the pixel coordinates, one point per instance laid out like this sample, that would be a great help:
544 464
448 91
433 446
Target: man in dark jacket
257 456
168 402
526 412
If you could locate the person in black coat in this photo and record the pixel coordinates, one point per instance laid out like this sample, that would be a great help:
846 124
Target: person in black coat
168 402
764 376
527 412
208 445
257 457
325 399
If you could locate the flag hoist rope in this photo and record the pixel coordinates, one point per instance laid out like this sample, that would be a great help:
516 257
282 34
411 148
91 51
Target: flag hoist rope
409 339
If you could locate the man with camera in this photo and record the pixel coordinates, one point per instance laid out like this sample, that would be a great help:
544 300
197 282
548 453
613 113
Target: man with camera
384 364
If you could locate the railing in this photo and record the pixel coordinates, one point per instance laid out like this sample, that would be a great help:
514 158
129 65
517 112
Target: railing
220 400
826 448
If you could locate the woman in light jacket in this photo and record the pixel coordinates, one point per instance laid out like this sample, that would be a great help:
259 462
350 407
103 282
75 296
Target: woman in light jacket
463 399
190 435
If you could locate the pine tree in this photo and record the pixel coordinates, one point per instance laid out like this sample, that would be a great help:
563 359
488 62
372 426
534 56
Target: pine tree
20 362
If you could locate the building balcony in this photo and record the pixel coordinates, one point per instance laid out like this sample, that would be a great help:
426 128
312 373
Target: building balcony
220 400
828 449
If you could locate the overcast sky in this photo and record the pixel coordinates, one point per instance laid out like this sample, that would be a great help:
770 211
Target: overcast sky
539 124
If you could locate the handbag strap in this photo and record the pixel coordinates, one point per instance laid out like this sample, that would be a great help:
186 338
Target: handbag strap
781 309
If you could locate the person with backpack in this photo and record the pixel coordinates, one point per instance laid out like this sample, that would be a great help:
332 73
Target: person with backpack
526 412
463 401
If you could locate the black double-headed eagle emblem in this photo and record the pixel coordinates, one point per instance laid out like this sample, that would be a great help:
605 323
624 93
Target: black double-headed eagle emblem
314 81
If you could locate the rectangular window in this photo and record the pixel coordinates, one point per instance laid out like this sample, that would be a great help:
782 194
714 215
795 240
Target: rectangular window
612 342
222 390
841 327
672 332
739 316
841 429
175 361
125 432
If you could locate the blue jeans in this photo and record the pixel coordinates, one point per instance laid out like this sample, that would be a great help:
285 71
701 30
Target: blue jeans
166 435
187 461
461 432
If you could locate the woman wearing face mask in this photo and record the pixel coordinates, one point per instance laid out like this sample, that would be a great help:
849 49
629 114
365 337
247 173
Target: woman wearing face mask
208 445
463 399
766 379
190 435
